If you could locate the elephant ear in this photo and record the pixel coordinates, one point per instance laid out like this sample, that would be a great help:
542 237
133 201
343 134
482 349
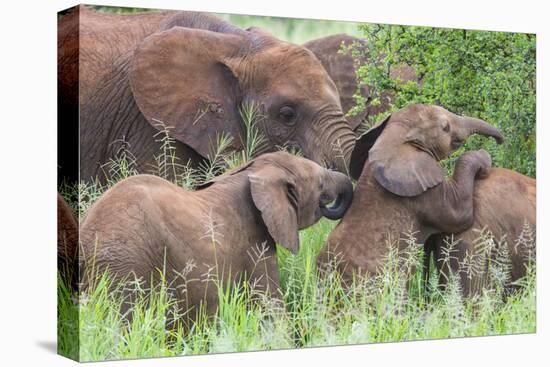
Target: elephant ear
341 67
275 198
401 167
183 81
363 144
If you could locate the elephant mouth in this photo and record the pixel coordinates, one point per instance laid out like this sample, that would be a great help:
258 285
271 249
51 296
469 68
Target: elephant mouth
336 208
418 145
326 200
457 143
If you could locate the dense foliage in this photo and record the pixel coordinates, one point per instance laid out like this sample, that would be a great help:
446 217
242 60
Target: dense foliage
490 75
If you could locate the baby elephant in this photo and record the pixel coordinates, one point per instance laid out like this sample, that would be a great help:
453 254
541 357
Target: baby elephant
225 230
402 186
504 214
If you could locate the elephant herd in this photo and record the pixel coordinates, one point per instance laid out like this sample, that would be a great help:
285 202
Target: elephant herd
189 73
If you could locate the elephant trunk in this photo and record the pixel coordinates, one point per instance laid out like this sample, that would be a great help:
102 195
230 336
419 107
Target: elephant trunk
337 143
476 126
341 189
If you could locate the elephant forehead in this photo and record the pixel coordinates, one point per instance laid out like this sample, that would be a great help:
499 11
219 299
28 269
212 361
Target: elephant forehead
290 58
420 114
293 165
304 89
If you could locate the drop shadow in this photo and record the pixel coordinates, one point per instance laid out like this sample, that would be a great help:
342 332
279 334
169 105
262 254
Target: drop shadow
48 345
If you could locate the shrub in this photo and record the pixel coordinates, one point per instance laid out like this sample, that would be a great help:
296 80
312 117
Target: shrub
490 75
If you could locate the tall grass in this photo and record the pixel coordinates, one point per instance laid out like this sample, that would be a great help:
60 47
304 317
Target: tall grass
317 310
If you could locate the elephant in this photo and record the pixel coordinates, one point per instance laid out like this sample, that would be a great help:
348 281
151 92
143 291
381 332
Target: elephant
401 185
226 229
505 210
67 243
342 68
190 75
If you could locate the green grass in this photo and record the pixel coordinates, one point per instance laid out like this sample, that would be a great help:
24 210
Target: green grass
317 311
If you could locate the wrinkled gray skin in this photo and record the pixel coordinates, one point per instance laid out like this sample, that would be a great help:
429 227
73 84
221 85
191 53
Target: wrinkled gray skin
227 228
402 186
191 73
342 68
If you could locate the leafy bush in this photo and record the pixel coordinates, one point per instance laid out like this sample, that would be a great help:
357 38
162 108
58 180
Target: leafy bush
490 75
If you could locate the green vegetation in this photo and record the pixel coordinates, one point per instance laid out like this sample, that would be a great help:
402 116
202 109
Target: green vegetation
287 29
293 30
490 75
317 311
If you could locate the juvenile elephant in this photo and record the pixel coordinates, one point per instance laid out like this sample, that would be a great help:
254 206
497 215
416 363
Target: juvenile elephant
505 210
402 186
342 68
228 227
191 73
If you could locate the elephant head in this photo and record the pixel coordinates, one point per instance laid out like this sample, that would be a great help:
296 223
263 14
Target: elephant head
404 149
293 193
195 73
296 194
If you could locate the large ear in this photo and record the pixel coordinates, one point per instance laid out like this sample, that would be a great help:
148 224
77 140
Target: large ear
183 80
341 67
273 194
401 167
363 144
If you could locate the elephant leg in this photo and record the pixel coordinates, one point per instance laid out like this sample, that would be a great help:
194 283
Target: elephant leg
264 275
443 264
451 262
430 247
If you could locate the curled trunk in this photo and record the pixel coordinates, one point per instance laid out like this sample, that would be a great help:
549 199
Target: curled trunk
343 191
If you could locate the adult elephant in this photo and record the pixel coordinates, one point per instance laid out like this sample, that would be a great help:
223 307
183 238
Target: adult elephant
190 73
342 68
402 186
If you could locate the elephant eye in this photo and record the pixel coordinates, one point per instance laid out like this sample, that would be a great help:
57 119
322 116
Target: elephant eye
446 127
288 115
